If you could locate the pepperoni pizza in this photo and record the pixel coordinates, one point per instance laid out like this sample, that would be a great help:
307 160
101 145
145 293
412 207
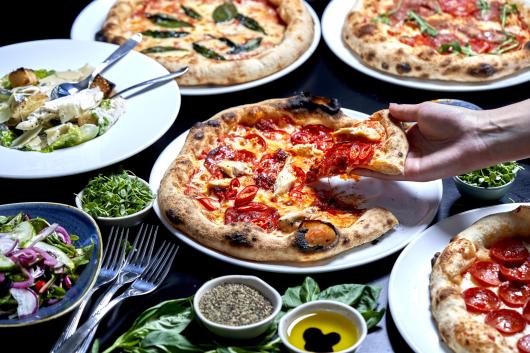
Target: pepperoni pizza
480 286
251 181
452 40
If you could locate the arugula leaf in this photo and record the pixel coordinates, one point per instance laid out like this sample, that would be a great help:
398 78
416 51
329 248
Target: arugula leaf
484 7
493 176
160 49
508 44
250 23
7 137
207 53
425 27
165 34
385 16
506 10
455 47
224 12
191 12
164 20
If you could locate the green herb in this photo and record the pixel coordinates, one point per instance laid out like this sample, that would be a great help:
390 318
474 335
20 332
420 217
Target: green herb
506 10
250 23
484 7
508 44
208 53
455 47
105 104
42 73
160 49
191 12
224 12
116 195
165 34
250 45
425 27
168 327
497 175
385 16
7 137
167 21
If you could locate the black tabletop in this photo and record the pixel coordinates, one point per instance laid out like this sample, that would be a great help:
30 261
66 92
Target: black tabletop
323 74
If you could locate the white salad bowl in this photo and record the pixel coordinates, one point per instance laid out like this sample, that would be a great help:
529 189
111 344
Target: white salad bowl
245 331
123 221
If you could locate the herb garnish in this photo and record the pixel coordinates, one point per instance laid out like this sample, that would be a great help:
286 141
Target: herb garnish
160 49
43 73
165 34
508 44
191 12
425 27
228 11
164 20
497 175
506 10
7 137
208 53
455 47
249 45
385 16
484 7
250 23
115 195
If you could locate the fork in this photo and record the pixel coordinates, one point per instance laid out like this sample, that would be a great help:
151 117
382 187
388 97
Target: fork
135 264
113 261
153 276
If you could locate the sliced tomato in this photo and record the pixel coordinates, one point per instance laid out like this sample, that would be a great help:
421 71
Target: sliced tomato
319 135
39 285
514 294
506 321
480 300
268 168
485 273
509 251
254 212
516 273
246 195
207 203
523 344
260 139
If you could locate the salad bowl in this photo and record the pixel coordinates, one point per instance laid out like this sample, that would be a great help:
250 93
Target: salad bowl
76 222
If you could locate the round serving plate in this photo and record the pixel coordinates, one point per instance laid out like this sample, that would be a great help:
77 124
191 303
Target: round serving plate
91 19
148 115
408 289
332 23
414 204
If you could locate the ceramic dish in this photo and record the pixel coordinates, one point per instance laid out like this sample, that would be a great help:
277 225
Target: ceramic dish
76 222
91 19
481 193
131 134
246 331
414 204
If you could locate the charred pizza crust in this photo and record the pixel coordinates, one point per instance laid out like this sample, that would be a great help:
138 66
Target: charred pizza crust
370 41
295 40
246 240
456 326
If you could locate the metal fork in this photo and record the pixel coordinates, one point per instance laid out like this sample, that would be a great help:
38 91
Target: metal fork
153 276
113 261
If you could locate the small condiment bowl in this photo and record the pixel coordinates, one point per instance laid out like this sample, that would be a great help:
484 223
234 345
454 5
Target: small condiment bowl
482 193
245 331
123 221
322 305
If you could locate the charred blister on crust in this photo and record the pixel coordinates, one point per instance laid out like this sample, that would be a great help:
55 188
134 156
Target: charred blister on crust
174 217
213 123
365 30
303 244
308 102
403 68
482 70
239 239
527 46
434 258
228 116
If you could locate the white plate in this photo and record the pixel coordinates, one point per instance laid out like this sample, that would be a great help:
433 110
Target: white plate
148 115
332 22
90 21
414 204
408 289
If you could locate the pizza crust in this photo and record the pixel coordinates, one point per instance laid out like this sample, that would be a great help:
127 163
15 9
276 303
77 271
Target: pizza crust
369 42
456 326
297 38
246 240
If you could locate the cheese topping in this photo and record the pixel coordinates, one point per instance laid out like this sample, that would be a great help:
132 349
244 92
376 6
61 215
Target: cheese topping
368 132
234 168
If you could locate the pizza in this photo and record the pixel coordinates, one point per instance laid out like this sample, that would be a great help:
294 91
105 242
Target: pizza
450 40
224 42
253 181
480 286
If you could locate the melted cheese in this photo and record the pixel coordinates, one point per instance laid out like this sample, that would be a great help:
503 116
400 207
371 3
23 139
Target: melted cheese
368 132
234 168
219 182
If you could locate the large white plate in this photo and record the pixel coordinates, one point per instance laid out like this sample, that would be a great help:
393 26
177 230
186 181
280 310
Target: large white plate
148 115
414 204
332 22
90 21
408 289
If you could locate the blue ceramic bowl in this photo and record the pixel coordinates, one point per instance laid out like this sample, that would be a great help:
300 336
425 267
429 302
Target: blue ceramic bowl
76 222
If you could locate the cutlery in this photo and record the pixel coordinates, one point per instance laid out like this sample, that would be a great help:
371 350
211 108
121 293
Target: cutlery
69 88
153 276
113 261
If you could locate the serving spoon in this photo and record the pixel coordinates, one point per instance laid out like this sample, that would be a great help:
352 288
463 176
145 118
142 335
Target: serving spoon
69 88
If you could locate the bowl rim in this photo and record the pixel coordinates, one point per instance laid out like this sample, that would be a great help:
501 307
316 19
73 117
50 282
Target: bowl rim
282 327
79 204
93 279
457 179
234 279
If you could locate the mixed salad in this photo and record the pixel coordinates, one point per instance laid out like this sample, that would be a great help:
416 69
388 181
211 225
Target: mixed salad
38 264
31 121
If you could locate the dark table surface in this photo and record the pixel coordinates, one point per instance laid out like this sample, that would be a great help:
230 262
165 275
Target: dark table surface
322 74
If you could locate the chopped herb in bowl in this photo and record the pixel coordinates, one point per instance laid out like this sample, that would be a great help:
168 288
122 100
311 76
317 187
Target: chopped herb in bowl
497 175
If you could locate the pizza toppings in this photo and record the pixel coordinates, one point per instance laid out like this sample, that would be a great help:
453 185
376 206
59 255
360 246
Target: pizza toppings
516 273
260 214
480 300
285 180
523 344
315 235
234 168
509 251
269 167
486 273
246 195
513 294
506 321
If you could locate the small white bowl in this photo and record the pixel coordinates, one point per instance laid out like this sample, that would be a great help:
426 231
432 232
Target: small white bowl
123 221
245 331
323 305
481 193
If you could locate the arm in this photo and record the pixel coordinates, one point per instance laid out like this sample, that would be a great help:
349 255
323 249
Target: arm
448 140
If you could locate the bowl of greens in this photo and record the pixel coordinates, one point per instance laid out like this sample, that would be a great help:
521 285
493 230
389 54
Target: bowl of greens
50 256
120 199
490 183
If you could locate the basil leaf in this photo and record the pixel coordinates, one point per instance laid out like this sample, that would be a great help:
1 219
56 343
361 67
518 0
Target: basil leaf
425 27
208 53
372 318
224 12
368 299
171 341
191 12
309 291
291 298
250 23
165 34
167 21
160 49
228 42
250 45
348 294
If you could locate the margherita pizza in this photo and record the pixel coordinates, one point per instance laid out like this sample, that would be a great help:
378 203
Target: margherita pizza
480 286
454 40
248 181
222 41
